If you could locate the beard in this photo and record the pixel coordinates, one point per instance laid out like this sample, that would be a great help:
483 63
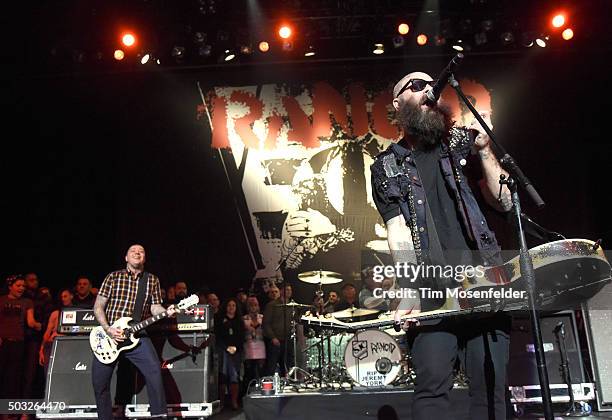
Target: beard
428 128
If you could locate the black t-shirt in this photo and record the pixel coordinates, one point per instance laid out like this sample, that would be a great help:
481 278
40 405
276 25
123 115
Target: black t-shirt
443 207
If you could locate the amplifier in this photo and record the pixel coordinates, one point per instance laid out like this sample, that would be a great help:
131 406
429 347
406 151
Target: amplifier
522 368
82 321
189 377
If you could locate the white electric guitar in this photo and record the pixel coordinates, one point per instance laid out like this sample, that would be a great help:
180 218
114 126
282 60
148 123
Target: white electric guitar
107 351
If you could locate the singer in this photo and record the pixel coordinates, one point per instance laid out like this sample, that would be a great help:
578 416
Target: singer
433 217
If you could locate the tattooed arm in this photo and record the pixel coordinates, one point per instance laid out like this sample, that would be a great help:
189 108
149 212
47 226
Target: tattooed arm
491 168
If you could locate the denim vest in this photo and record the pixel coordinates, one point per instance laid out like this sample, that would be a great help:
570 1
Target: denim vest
396 180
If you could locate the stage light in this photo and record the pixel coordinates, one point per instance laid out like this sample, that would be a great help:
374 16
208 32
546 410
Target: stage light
128 39
178 51
284 32
119 55
567 34
145 58
421 39
403 28
507 38
558 20
379 49
439 40
287 45
229 55
264 46
310 51
205 50
398 41
541 42
458 46
246 49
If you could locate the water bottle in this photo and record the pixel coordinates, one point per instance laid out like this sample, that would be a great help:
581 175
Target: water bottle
276 383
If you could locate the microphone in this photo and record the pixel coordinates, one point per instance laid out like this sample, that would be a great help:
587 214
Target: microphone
433 95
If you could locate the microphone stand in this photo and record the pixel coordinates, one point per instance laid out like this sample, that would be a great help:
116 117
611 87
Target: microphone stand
517 177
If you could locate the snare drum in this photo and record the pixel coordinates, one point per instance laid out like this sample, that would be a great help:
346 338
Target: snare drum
372 358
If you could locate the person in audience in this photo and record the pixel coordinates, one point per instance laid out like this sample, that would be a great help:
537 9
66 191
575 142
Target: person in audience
180 290
241 297
276 327
349 298
32 374
332 301
254 345
213 300
65 298
170 295
229 329
16 312
83 298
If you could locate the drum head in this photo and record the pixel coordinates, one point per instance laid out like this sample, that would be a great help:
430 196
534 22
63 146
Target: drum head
372 358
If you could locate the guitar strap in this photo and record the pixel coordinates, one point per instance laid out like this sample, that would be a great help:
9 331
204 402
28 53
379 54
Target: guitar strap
141 291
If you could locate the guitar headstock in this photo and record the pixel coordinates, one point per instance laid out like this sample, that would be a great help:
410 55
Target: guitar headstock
188 302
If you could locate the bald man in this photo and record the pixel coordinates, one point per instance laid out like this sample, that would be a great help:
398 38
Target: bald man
433 217
117 298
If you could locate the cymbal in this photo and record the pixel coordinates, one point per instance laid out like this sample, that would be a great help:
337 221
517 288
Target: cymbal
353 312
320 277
290 304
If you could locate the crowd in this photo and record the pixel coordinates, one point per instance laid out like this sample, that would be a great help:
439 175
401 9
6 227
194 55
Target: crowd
252 330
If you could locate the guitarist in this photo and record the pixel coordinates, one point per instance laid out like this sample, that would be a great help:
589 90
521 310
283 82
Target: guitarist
118 297
432 217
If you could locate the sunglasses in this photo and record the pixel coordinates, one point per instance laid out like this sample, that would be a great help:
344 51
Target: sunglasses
415 85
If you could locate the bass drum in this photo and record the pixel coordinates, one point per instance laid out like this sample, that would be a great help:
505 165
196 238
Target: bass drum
372 358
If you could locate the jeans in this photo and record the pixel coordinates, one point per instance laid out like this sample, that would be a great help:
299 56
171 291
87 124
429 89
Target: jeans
276 355
143 356
483 348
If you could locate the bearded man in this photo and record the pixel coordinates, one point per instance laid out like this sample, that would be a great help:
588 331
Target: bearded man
433 217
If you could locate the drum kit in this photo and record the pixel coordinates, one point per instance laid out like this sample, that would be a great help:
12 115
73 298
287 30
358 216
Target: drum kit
336 359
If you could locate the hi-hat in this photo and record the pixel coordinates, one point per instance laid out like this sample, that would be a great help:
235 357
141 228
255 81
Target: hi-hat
320 277
353 312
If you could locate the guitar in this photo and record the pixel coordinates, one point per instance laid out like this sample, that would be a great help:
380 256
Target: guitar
107 351
567 272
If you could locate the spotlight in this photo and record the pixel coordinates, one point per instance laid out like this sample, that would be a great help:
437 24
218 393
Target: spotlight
119 55
205 50
507 38
229 55
246 49
541 42
379 49
458 46
398 41
421 39
284 32
128 39
178 51
480 38
264 46
310 51
439 40
403 28
145 58
558 20
567 34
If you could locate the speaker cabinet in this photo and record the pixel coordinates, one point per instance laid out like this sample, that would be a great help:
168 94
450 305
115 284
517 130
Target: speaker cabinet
522 369
69 372
189 377
598 316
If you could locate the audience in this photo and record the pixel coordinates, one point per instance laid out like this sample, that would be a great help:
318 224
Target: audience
349 298
254 345
229 329
213 300
65 298
276 327
17 313
83 298
332 301
180 291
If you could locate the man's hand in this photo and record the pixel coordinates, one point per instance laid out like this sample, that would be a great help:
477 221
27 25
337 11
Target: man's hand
41 356
275 342
116 334
308 223
172 311
408 305
37 326
482 140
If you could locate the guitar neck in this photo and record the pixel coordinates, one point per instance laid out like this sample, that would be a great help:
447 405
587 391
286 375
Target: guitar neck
149 321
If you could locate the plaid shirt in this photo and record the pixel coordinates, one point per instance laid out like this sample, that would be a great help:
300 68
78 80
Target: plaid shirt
120 288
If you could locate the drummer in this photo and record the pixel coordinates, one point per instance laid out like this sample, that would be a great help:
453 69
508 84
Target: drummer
366 295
